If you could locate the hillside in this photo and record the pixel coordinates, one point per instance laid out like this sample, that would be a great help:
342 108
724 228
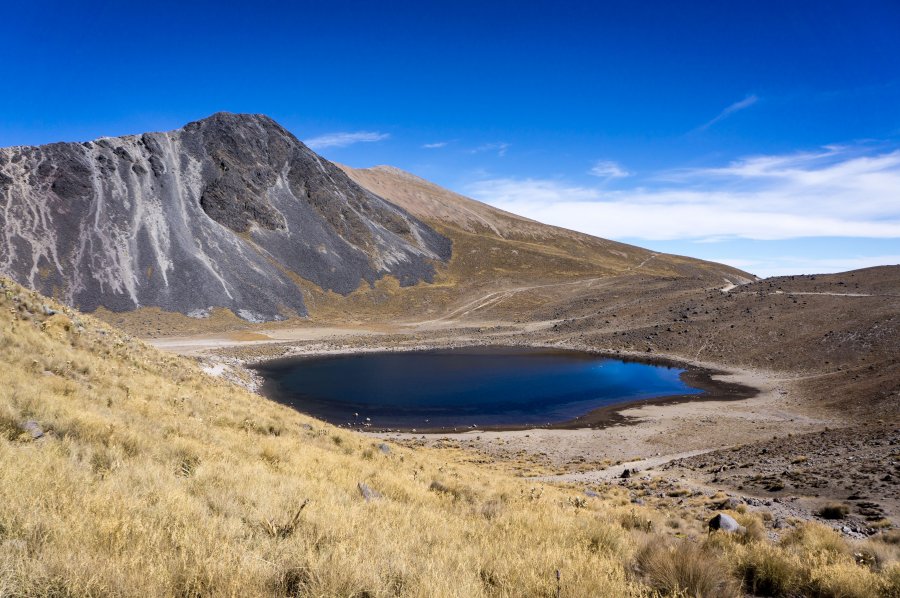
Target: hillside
128 472
207 216
183 231
504 266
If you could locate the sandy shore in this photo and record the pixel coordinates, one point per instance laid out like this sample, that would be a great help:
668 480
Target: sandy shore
654 434
645 435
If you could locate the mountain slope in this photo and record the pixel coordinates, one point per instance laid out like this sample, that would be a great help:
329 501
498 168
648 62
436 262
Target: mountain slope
128 472
228 211
234 212
537 245
505 267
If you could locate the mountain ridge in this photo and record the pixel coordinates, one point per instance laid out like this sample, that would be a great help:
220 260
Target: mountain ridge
204 216
233 211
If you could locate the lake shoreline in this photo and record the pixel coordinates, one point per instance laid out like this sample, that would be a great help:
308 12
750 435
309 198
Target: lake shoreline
695 376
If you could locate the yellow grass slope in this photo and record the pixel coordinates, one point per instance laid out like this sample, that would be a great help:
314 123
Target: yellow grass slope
154 479
128 472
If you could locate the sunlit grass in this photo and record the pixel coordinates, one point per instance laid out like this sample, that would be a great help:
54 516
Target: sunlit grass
153 479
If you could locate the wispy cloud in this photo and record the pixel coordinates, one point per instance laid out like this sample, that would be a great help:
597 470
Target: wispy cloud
608 169
500 147
736 107
345 138
436 145
531 192
833 192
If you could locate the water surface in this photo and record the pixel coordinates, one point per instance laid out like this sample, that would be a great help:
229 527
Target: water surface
459 388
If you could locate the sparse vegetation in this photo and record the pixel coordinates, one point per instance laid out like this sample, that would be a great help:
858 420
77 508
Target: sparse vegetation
833 510
151 478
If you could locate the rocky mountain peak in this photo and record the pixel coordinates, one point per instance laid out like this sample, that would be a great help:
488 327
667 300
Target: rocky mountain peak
227 211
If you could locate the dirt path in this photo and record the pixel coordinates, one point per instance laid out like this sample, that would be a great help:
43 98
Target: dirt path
615 471
828 294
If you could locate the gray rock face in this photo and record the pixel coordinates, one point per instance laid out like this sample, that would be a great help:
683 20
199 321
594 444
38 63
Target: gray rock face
224 212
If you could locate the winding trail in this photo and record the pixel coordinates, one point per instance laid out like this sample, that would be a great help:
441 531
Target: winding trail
495 297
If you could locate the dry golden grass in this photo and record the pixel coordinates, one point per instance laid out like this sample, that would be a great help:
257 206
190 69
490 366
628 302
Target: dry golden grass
153 479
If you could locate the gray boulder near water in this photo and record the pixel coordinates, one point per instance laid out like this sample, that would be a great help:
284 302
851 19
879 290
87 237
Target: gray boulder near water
230 211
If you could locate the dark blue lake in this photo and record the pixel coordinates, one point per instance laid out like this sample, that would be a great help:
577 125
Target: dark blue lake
458 388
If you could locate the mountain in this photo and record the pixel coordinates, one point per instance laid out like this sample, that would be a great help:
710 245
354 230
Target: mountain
234 212
228 211
506 267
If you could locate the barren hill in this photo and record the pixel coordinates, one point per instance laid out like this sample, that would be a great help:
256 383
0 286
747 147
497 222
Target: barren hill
524 247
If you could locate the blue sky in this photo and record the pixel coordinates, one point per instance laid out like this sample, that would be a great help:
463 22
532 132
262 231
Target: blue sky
764 134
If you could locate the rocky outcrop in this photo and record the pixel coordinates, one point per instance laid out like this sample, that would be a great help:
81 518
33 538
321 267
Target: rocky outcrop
230 211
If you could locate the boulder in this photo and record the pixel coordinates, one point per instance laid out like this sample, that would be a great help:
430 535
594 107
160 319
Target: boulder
725 523
368 493
34 429
731 503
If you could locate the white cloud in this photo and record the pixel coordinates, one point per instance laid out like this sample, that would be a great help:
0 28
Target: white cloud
435 145
345 138
728 111
537 192
835 192
607 169
500 147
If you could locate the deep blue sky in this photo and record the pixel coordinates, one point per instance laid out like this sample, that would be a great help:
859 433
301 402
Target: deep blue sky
723 105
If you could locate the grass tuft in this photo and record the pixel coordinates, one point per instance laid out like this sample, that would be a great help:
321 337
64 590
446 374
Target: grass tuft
833 510
684 568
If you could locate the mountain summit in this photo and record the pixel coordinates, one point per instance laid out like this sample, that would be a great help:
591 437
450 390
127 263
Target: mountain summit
229 211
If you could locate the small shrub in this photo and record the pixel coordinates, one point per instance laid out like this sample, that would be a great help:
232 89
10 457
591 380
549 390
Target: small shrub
843 580
492 509
102 462
876 554
754 529
684 568
187 465
833 510
678 492
9 425
815 538
270 455
283 530
892 582
768 571
457 491
632 520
